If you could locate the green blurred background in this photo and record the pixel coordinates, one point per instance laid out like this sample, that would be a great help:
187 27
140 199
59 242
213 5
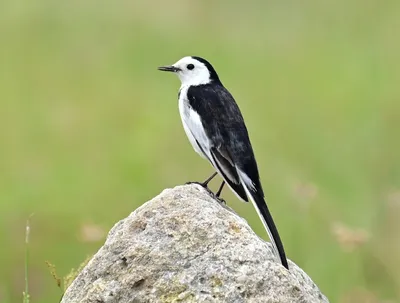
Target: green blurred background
90 130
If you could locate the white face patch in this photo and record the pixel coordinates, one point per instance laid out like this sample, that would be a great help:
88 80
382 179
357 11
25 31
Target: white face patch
192 72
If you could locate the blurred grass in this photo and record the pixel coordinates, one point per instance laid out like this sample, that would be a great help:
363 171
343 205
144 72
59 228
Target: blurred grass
89 129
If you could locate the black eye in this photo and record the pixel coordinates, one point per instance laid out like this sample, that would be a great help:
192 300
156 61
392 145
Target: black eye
190 66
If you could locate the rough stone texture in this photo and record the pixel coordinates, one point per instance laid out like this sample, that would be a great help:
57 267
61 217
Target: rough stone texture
184 246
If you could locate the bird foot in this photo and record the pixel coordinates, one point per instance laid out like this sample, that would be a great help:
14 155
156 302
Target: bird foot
198 183
202 185
194 182
220 200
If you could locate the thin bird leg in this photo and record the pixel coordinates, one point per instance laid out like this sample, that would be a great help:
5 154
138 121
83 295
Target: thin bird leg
220 189
205 183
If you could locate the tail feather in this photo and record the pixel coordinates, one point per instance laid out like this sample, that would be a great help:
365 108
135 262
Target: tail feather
266 218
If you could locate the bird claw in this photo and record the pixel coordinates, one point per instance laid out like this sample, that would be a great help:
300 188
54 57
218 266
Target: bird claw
202 185
220 200
194 182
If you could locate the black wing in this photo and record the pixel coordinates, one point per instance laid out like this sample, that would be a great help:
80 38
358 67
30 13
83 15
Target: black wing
225 128
231 150
225 165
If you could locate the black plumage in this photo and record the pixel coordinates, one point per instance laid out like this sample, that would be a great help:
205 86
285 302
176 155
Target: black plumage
231 147
214 125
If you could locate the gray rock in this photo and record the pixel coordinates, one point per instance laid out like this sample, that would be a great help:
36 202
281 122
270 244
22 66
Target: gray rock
184 246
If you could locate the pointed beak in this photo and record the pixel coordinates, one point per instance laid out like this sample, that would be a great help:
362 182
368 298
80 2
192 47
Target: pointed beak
169 69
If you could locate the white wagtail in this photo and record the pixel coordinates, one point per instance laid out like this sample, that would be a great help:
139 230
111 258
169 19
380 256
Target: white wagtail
215 127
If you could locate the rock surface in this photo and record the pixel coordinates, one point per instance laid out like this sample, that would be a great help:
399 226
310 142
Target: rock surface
184 246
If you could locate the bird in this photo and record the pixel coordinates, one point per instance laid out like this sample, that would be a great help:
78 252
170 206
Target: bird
216 129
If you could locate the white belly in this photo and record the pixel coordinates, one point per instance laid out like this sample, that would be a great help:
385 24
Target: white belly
193 126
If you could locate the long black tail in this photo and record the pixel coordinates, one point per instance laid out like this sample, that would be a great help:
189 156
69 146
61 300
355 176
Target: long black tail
265 216
269 224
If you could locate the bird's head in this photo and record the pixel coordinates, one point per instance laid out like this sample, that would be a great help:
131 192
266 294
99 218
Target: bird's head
193 71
